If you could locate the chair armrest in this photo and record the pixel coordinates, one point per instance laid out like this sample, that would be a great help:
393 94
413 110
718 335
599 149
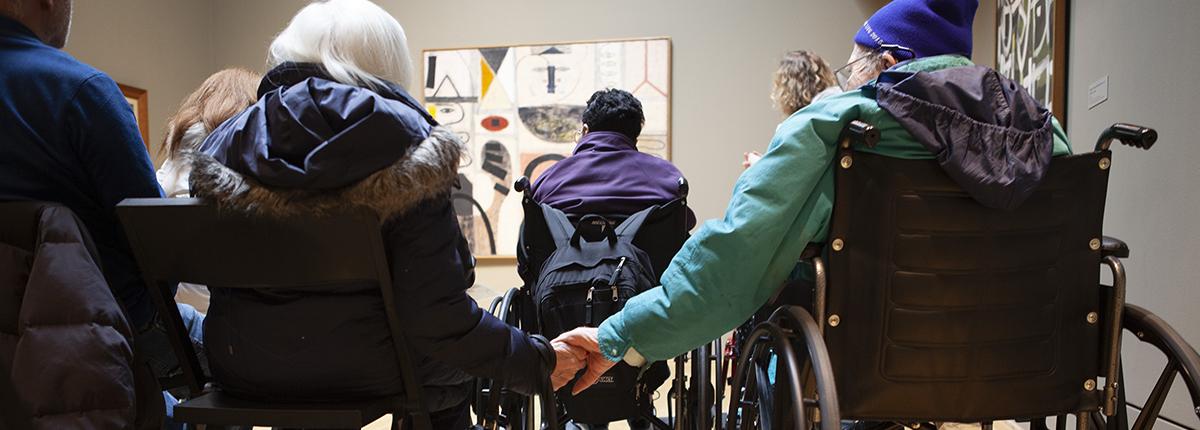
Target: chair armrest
1114 247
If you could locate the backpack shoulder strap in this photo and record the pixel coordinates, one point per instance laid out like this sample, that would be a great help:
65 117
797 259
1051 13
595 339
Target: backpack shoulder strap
560 227
629 228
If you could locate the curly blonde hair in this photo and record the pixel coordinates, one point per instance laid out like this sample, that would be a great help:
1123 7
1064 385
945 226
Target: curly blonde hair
800 77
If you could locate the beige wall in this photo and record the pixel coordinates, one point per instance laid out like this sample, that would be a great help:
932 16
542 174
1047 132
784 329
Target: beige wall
1148 53
163 46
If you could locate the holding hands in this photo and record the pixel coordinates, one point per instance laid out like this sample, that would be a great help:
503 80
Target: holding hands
577 350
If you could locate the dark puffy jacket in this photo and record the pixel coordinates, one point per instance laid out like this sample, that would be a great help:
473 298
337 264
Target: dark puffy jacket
314 145
63 337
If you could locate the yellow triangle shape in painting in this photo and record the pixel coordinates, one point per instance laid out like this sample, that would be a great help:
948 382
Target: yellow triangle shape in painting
486 75
497 98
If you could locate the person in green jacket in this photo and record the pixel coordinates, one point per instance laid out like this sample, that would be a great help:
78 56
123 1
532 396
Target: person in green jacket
732 266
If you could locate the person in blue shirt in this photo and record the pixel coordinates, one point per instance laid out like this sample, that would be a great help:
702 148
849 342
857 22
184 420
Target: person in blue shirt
67 135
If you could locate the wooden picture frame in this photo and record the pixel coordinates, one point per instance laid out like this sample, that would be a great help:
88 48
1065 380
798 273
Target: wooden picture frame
139 101
472 98
1023 31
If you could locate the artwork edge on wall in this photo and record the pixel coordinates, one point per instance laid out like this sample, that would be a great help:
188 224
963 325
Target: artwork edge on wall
141 112
670 68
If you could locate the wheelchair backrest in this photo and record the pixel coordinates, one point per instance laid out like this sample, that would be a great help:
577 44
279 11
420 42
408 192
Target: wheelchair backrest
942 309
662 234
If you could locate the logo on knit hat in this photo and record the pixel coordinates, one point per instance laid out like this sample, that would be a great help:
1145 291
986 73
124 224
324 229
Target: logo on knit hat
871 33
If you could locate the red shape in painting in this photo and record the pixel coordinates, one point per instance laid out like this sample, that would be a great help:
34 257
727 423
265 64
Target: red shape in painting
495 123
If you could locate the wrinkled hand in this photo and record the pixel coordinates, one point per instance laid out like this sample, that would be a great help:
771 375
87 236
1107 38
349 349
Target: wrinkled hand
585 338
569 361
749 158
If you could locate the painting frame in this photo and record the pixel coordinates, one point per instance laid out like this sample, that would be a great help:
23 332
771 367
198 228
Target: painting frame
668 136
139 101
1060 33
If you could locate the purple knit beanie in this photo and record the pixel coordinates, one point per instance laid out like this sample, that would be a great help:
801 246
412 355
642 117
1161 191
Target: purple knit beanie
928 27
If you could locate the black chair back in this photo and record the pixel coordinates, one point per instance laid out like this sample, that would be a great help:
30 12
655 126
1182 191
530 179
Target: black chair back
187 240
942 309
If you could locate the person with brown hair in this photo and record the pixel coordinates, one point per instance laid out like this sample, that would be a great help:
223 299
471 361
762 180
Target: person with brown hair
221 96
802 78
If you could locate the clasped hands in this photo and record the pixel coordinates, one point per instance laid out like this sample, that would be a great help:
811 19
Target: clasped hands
577 350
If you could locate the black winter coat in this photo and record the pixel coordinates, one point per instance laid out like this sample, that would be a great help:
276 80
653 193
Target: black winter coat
313 145
63 338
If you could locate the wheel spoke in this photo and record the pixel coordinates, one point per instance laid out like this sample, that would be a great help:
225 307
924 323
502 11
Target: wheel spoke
1149 414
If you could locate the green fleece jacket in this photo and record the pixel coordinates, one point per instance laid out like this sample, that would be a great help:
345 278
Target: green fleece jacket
732 266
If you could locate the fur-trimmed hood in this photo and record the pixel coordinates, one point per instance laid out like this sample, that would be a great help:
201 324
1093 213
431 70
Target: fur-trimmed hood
428 170
312 145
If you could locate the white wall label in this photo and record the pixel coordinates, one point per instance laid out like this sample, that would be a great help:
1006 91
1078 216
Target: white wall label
1098 92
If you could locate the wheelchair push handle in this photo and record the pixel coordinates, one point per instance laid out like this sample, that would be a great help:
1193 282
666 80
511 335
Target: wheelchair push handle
522 184
1129 134
860 132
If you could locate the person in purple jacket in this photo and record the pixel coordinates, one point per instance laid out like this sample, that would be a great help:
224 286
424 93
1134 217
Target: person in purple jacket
607 174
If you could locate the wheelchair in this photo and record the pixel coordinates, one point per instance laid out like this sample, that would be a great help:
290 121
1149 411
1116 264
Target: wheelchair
692 389
926 307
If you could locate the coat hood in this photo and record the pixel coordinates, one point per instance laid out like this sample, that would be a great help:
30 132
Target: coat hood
986 131
314 145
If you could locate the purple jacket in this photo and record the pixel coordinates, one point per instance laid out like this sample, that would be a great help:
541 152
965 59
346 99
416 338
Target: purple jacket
607 175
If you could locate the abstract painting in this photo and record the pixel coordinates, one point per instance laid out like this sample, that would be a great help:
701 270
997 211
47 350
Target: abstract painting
1031 48
518 109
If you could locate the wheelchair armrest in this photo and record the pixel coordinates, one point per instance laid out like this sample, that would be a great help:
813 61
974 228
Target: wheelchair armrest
1114 247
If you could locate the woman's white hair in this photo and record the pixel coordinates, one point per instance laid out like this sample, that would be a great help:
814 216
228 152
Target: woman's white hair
355 41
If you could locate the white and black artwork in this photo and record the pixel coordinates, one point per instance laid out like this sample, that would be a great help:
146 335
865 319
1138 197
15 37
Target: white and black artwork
1031 48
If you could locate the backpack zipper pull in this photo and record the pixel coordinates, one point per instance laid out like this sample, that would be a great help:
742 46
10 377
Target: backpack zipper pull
587 307
612 282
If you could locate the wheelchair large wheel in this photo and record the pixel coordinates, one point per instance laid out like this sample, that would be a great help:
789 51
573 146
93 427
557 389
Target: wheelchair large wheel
1182 360
801 395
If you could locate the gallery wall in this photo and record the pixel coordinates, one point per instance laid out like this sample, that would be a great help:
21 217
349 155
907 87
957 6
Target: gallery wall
1147 52
162 46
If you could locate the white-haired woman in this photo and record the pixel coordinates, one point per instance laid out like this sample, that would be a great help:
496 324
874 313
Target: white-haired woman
333 129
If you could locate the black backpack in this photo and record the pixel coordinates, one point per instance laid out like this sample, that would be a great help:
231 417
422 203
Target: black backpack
593 271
